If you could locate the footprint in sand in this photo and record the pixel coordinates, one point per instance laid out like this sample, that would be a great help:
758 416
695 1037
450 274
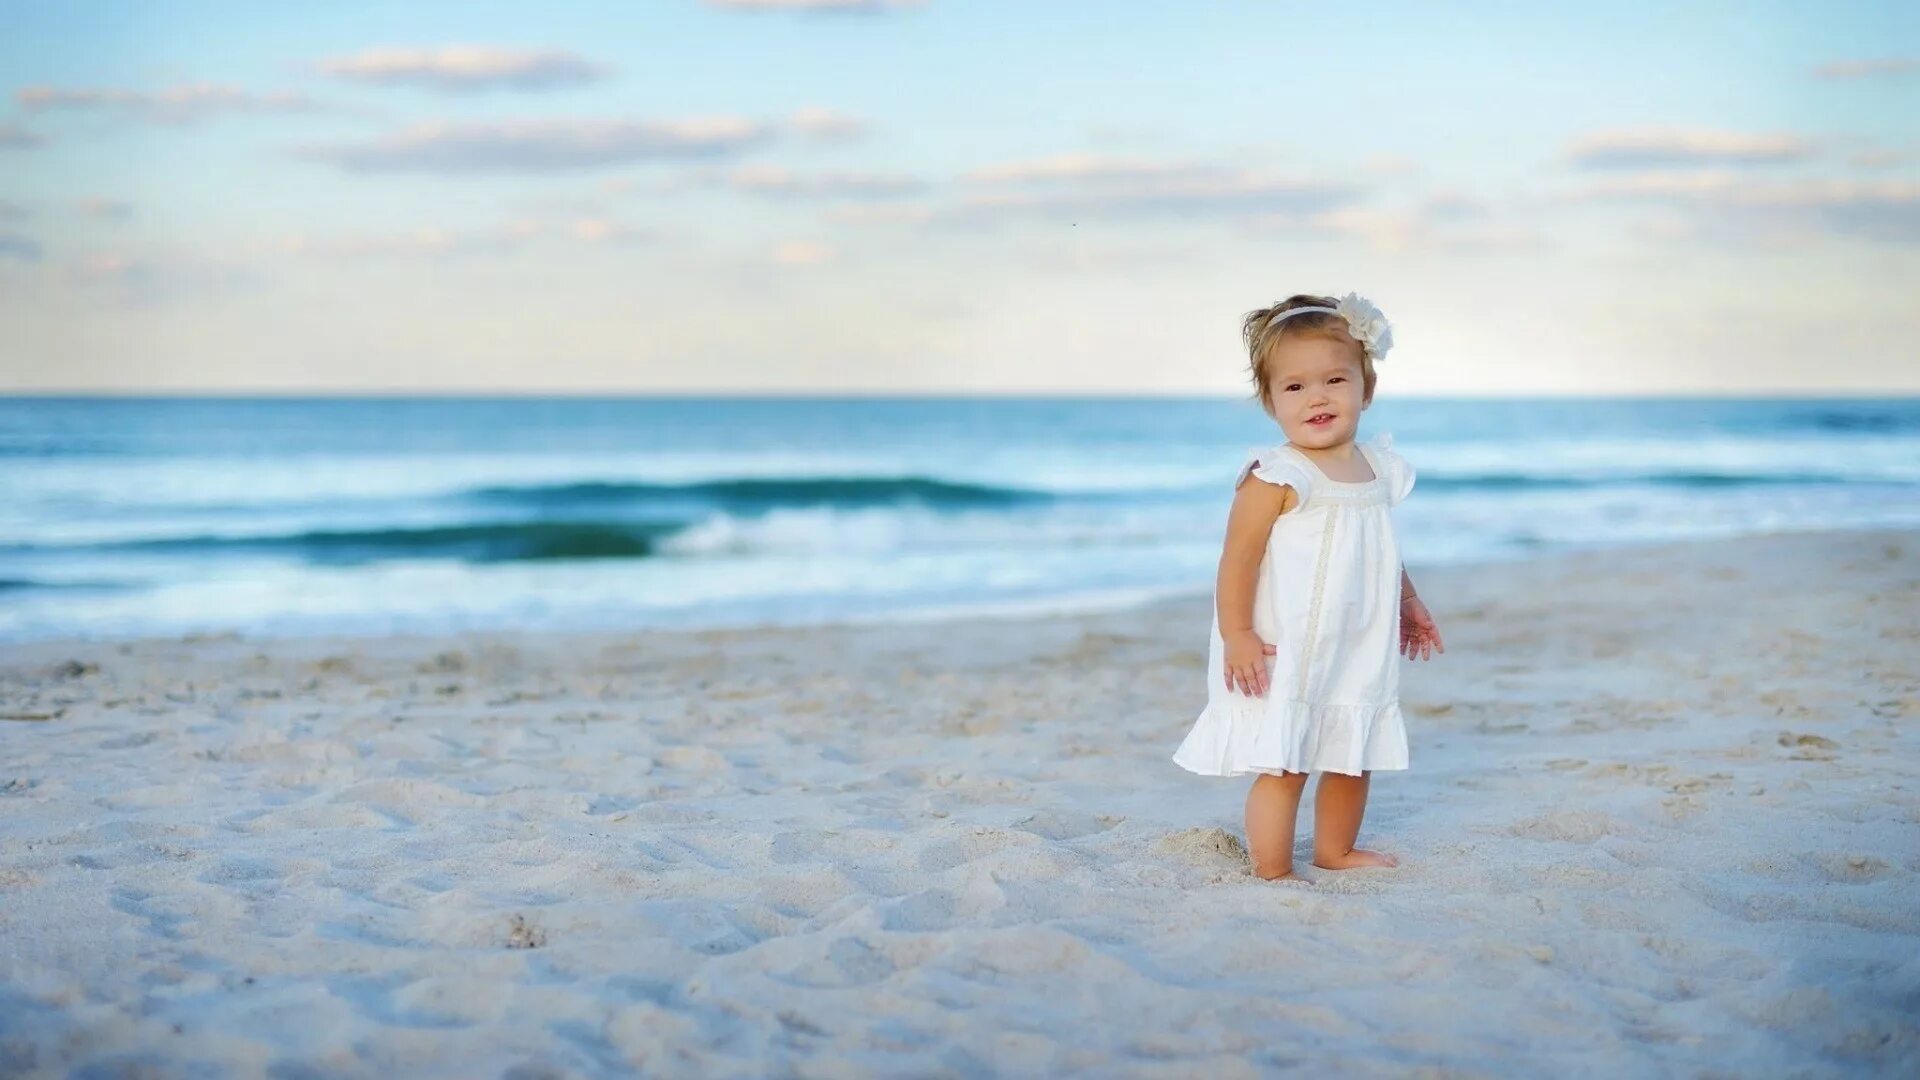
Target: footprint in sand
1571 826
239 871
976 843
944 909
848 962
1066 824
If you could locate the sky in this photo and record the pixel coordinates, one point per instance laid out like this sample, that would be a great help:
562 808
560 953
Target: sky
953 196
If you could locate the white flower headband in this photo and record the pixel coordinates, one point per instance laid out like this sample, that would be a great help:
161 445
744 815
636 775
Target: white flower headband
1364 321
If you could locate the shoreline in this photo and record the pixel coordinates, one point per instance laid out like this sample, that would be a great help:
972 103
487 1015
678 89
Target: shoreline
1659 818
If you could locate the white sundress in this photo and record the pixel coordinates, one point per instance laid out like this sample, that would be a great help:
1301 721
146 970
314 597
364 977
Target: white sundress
1327 597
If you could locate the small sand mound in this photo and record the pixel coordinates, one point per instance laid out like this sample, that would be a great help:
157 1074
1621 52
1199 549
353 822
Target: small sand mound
1201 844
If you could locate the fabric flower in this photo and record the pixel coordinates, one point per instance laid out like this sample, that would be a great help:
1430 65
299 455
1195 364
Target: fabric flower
1367 324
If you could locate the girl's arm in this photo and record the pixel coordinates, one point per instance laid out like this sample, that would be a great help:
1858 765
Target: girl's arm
1406 586
1249 523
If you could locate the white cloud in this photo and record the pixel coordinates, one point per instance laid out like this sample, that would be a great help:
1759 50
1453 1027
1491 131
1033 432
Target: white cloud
774 180
145 279
604 230
104 209
1877 159
1068 188
882 213
13 136
1860 69
1657 184
1390 165
1081 168
1729 203
1064 187
1453 206
660 185
802 253
19 246
437 243
464 67
187 103
1676 147
1406 231
422 243
826 125
539 146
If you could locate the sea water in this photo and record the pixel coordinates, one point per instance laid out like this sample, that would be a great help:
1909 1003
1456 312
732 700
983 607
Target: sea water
129 516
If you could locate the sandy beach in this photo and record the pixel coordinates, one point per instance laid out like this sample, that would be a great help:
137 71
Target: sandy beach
1663 818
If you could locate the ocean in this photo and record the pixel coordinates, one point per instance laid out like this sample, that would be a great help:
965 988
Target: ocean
274 516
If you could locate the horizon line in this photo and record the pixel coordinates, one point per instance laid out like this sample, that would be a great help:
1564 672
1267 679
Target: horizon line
377 393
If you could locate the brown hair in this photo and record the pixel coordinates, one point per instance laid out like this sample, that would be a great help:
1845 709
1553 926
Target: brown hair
1261 339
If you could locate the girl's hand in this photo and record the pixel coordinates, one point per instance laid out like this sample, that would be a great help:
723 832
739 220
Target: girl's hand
1246 662
1419 637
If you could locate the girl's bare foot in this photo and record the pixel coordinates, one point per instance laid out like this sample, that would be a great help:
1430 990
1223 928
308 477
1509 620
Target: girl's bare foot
1286 876
1355 859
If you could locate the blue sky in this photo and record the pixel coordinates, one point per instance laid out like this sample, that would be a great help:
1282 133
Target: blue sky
773 195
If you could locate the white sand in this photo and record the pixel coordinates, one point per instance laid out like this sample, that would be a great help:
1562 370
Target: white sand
1663 818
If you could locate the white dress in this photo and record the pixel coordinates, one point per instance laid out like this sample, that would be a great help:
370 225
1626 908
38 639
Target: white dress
1327 597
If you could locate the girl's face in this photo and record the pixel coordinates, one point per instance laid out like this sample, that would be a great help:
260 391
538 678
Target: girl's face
1317 379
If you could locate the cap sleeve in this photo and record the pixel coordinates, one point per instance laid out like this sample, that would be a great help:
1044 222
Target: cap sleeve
1398 471
1276 465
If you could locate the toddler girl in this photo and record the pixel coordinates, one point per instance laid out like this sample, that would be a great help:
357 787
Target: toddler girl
1310 582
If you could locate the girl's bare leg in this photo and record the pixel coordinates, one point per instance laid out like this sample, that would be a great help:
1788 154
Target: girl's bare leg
1338 805
1273 805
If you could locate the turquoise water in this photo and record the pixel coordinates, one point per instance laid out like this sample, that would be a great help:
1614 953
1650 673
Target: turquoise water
136 516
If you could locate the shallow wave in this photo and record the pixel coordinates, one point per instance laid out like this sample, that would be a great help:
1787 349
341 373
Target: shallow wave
771 491
20 585
796 530
515 541
1889 420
